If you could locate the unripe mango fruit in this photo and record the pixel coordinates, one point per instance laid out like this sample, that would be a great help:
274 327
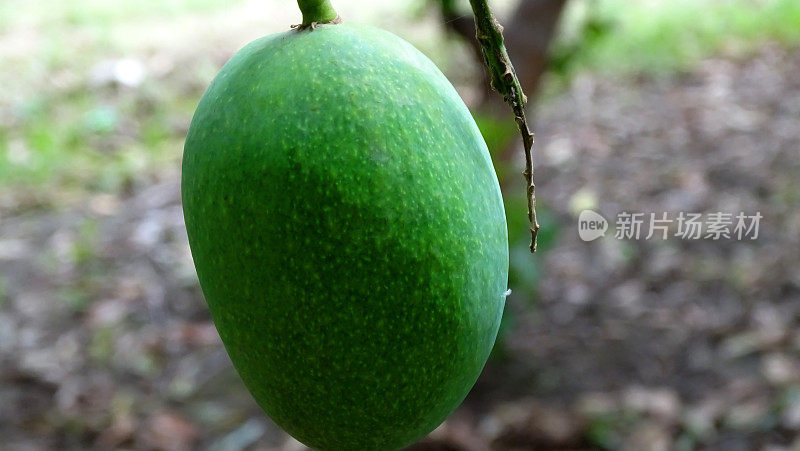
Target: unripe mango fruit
348 232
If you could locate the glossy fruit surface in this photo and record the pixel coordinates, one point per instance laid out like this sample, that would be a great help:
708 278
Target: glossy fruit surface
348 232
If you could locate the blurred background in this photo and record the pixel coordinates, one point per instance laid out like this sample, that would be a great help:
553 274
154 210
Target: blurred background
661 106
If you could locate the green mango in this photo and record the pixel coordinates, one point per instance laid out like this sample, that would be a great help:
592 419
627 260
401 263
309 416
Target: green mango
348 232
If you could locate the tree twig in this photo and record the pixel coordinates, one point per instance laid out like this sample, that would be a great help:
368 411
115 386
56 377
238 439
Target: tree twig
504 80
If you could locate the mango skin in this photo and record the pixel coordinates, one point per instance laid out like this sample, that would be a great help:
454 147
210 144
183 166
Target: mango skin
348 232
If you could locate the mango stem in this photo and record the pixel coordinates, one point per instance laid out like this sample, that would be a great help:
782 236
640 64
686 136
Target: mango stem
316 12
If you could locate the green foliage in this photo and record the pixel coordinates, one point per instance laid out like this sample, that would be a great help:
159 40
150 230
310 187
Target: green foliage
606 431
63 132
666 35
101 346
100 13
4 296
498 132
75 298
88 140
78 136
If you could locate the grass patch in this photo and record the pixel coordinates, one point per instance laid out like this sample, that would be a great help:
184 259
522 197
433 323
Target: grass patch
662 36
57 131
102 13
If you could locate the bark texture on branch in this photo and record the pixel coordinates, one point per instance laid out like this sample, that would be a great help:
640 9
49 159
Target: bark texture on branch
528 36
505 81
